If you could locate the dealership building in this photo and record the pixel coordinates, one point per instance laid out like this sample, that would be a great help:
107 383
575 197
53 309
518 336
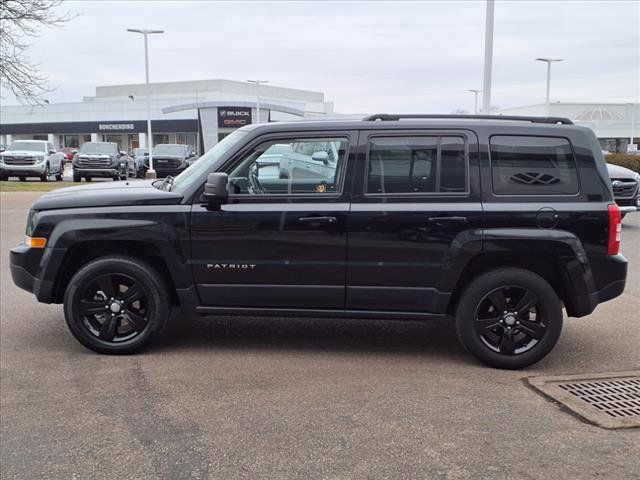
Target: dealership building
197 113
613 123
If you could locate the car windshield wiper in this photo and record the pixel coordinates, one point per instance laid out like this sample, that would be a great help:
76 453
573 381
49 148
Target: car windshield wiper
167 183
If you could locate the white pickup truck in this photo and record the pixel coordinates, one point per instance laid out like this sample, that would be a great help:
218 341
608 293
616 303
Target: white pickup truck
31 158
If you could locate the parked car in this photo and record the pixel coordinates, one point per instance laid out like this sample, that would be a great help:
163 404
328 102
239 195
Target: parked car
69 152
626 188
172 158
492 222
31 158
100 159
138 163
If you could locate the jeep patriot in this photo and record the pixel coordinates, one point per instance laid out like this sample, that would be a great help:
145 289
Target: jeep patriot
498 223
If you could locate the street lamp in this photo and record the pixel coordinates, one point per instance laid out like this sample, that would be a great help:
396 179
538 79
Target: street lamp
488 57
475 101
257 83
549 61
151 173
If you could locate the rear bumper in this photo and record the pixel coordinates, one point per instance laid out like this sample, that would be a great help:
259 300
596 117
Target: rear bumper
612 273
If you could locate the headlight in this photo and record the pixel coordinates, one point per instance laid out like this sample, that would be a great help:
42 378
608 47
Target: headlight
39 159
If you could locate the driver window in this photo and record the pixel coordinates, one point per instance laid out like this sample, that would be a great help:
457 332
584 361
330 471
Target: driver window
295 166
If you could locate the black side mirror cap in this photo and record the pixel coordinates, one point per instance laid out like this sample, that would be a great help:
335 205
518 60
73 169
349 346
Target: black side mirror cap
215 190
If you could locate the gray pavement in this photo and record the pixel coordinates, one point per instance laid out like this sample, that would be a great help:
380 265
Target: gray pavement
226 398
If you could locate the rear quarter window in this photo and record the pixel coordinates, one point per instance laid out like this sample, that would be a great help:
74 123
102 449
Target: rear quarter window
523 165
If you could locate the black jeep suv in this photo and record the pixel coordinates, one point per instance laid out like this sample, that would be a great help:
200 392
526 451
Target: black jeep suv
496 222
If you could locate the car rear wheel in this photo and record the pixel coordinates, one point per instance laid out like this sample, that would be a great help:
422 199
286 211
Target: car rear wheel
116 305
509 318
22 179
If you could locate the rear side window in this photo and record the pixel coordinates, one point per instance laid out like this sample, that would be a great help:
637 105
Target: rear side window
533 166
417 165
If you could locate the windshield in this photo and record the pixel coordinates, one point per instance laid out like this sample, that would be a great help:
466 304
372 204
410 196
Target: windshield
99 148
166 149
28 146
208 161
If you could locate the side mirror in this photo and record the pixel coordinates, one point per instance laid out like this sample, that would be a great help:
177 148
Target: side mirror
193 153
215 190
74 151
320 157
51 152
122 153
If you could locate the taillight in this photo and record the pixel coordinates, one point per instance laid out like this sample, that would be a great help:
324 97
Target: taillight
615 229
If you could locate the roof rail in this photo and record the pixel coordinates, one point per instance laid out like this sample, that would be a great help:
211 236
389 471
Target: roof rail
386 117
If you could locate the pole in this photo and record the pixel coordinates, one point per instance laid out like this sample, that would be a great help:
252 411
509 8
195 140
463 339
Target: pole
546 105
258 102
151 172
257 84
475 103
633 119
488 58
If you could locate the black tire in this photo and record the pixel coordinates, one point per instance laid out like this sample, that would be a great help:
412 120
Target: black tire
60 173
114 333
536 330
45 176
3 178
77 177
22 179
88 179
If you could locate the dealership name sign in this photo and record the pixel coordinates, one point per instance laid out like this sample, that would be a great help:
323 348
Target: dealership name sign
234 116
119 127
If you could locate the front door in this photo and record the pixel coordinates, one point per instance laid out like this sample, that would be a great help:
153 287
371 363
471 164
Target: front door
415 212
280 241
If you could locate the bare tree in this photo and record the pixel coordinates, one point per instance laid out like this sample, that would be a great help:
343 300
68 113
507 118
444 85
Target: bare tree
21 20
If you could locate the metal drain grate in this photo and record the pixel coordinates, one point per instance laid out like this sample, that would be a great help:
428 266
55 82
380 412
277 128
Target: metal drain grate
610 400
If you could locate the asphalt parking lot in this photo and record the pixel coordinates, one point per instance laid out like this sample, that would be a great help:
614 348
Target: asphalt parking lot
283 398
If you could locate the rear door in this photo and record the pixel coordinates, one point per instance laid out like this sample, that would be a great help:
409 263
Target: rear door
415 215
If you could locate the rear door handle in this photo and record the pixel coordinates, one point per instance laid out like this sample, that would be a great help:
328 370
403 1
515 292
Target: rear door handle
447 220
317 219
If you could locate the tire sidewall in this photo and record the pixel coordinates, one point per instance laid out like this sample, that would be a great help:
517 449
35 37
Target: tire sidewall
548 304
158 305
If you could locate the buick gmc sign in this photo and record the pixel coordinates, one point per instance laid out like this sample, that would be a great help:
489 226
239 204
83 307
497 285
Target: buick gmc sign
233 117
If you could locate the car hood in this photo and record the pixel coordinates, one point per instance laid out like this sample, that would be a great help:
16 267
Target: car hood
616 171
107 194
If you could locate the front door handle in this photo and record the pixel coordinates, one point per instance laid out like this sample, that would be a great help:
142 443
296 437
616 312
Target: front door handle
317 219
442 221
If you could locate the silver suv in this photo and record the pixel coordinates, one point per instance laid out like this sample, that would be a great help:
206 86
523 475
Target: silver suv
31 158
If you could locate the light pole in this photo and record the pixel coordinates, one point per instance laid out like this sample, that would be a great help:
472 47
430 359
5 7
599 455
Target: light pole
549 61
488 58
151 173
475 92
257 83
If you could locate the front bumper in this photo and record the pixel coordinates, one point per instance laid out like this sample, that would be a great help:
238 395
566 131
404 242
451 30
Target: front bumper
96 172
22 170
25 265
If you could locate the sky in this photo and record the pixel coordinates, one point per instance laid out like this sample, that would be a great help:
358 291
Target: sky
367 56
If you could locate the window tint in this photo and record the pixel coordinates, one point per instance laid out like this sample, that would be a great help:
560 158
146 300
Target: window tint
533 166
417 165
296 166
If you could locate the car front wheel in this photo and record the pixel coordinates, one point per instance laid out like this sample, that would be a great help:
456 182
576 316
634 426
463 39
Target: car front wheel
116 305
509 318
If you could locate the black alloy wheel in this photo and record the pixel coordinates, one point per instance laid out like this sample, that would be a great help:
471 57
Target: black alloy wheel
113 307
116 305
509 318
